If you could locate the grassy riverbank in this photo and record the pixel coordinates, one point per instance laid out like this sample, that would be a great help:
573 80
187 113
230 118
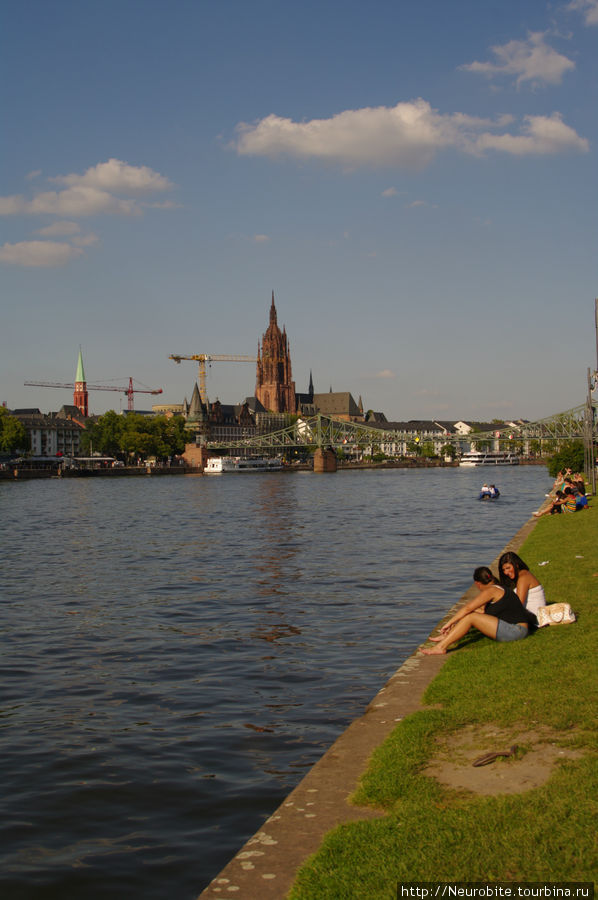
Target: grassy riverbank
532 816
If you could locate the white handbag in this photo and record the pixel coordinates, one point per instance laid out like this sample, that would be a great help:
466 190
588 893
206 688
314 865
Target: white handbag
555 614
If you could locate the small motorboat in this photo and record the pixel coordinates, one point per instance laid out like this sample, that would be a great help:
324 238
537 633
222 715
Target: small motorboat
489 492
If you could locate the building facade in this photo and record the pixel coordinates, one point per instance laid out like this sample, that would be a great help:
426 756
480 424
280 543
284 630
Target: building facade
51 435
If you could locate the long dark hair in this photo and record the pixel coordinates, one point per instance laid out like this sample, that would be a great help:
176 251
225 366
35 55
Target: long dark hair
516 562
483 575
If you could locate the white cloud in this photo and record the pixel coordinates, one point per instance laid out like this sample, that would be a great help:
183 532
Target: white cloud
86 240
93 193
75 201
542 135
589 8
408 134
96 192
531 60
116 176
80 201
10 206
38 253
59 229
389 192
161 204
385 373
261 238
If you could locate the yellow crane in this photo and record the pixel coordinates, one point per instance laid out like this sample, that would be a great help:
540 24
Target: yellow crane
202 358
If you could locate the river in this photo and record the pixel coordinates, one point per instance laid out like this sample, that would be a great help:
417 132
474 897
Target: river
177 651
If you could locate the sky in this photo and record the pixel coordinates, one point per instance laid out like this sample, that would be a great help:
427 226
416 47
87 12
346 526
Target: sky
414 179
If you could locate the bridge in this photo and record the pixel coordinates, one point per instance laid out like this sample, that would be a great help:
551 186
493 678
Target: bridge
325 431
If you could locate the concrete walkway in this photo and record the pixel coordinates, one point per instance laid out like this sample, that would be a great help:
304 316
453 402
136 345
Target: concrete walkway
265 868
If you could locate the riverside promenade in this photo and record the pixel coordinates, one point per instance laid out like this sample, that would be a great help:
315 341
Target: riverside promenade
266 866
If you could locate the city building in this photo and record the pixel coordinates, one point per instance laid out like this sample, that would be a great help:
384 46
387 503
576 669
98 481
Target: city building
339 405
54 434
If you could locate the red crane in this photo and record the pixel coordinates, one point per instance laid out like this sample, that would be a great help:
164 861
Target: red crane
129 391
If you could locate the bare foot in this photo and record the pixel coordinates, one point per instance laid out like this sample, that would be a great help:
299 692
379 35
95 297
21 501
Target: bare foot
438 637
433 651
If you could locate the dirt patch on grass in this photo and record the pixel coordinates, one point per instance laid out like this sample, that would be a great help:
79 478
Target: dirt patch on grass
538 751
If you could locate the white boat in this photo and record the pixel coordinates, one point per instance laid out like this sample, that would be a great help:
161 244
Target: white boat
217 465
488 458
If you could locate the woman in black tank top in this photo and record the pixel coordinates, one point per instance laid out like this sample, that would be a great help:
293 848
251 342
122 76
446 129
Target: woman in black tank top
496 611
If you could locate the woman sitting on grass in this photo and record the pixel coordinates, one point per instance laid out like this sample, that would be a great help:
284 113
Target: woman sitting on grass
564 502
497 612
514 574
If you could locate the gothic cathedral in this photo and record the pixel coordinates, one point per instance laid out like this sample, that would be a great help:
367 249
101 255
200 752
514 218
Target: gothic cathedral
275 388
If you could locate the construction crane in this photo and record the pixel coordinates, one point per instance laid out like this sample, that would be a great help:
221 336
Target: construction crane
129 391
202 358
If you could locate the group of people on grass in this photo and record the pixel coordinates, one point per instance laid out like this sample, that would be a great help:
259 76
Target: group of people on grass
569 493
504 608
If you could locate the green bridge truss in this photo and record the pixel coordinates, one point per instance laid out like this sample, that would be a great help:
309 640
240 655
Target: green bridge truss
324 431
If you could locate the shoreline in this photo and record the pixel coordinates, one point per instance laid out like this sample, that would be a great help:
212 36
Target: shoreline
13 473
267 864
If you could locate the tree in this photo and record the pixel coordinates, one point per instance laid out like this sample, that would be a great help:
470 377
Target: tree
535 447
135 435
569 456
449 450
13 434
104 436
428 450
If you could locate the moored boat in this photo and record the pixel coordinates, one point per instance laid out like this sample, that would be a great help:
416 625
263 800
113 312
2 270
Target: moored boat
488 458
218 465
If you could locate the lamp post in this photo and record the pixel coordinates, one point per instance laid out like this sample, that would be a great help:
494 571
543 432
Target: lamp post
588 434
590 415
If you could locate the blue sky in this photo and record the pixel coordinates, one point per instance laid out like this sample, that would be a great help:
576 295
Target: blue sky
416 181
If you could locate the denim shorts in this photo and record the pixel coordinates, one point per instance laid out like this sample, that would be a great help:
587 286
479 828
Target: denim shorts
507 632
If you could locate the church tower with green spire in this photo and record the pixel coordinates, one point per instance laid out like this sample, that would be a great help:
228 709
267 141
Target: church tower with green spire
80 396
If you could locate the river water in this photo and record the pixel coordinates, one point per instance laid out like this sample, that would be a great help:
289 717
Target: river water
178 651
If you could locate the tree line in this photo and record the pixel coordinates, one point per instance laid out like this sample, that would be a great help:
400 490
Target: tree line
134 436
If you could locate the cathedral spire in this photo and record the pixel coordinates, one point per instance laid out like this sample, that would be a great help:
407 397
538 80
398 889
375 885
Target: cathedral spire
273 312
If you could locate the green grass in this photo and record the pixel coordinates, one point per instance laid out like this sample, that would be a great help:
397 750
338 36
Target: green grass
432 833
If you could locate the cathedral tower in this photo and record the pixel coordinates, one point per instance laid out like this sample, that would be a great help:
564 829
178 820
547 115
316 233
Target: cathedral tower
275 388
